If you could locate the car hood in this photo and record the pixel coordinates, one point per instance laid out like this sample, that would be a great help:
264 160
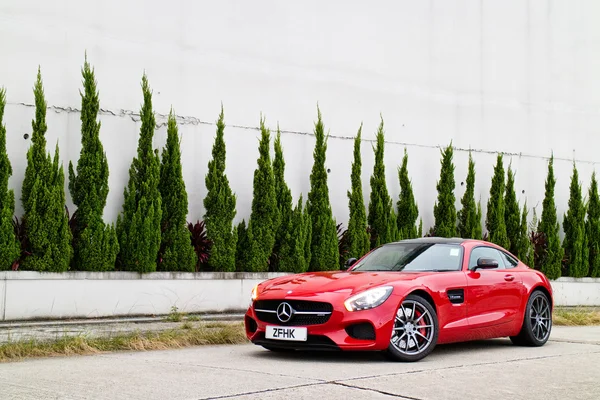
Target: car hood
342 282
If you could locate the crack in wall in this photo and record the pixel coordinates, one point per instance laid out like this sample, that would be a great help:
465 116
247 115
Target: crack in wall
162 120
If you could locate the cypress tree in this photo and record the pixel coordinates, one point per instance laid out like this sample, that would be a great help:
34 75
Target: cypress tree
139 225
10 248
283 195
495 218
358 237
468 224
219 204
551 259
444 210
593 228
575 242
408 211
512 215
381 213
478 229
525 250
242 247
176 252
293 250
43 197
264 218
95 244
324 244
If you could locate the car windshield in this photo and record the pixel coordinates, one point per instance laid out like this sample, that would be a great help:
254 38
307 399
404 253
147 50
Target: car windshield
413 257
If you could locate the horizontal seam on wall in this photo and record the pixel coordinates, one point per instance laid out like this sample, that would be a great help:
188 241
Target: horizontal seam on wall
187 120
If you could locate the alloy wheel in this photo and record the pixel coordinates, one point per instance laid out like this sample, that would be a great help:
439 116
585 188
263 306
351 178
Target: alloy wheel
414 328
539 315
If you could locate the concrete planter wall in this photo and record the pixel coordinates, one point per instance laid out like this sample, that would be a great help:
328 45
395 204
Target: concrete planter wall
28 295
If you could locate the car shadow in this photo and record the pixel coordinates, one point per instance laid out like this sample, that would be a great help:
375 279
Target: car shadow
463 348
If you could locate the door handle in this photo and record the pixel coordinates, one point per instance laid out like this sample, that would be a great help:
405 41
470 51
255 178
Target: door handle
509 278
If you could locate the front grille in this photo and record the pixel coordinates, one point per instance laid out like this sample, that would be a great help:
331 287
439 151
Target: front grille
317 312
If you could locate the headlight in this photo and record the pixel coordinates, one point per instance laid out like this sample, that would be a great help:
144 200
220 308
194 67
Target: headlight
254 293
368 299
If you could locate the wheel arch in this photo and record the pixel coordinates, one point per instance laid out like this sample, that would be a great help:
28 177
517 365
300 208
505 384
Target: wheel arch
426 295
545 291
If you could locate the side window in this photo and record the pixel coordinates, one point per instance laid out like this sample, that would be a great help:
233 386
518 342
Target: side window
486 252
509 261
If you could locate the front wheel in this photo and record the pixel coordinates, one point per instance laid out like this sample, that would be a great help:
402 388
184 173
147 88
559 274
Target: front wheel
537 323
415 331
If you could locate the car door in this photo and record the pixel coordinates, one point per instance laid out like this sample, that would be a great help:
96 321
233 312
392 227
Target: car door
493 295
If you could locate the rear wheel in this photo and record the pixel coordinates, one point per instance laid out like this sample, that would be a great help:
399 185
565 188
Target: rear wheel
415 331
537 323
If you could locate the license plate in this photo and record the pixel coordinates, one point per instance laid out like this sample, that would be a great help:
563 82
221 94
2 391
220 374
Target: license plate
286 333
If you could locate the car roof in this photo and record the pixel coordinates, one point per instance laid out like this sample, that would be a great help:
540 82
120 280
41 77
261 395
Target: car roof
435 240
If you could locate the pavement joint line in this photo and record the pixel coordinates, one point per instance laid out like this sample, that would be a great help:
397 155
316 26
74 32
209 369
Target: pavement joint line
574 342
464 366
232 396
375 391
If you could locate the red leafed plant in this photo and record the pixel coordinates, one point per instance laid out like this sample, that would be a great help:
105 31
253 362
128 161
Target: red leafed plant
200 242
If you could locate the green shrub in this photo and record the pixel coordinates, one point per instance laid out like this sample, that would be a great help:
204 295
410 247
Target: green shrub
95 245
264 218
575 243
444 210
357 236
593 228
176 252
43 196
512 215
495 218
219 204
381 218
295 248
10 248
468 224
324 243
525 250
138 227
408 211
552 253
242 247
283 195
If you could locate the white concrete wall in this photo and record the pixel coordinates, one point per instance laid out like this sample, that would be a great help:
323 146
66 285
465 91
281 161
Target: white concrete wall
576 291
514 76
33 295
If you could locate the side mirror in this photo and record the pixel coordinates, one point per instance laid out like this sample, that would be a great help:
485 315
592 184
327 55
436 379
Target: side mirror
486 263
349 263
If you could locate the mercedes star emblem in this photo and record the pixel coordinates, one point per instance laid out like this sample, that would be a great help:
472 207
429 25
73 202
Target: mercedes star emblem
285 312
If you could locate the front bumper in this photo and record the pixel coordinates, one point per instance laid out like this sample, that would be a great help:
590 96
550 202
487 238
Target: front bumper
344 330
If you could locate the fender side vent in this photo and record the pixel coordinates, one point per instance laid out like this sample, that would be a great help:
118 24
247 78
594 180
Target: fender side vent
456 296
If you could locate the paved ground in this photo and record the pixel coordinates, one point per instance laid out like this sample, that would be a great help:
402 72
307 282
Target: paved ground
567 367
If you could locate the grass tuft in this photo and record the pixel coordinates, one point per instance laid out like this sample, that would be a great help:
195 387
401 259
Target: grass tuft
576 316
187 336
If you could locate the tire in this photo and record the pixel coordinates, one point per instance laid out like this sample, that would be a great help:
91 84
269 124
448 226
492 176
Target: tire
407 343
537 322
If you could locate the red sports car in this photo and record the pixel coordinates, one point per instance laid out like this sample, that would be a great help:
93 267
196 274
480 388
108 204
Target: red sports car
403 298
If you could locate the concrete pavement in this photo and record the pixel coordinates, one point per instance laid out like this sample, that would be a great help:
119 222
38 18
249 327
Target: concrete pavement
568 366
